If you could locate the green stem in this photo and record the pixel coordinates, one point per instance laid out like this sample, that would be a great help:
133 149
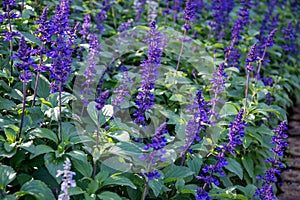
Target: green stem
23 110
60 113
145 190
247 90
38 75
181 51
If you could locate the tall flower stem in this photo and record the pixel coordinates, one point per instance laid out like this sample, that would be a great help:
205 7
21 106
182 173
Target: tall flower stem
10 41
145 190
260 64
38 75
247 89
60 113
181 51
23 109
22 7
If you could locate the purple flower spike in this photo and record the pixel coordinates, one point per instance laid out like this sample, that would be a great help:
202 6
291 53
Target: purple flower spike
23 55
270 38
158 142
189 14
102 100
86 26
196 123
145 97
236 134
43 32
266 191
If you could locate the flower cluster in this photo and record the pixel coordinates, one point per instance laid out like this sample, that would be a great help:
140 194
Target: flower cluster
152 10
43 31
236 134
251 58
24 55
61 53
218 86
122 91
101 16
289 38
232 54
265 25
8 4
86 26
90 72
221 10
138 6
189 14
199 116
67 180
266 191
145 97
101 100
125 26
158 142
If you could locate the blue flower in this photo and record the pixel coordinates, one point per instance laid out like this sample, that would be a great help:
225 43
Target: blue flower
122 91
24 55
145 97
266 192
86 26
236 134
158 142
67 180
101 100
199 116
43 31
189 14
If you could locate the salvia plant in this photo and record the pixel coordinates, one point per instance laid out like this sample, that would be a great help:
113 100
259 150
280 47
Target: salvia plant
145 99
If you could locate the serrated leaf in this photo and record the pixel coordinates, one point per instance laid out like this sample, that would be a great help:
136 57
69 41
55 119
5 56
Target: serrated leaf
156 185
174 172
235 167
195 164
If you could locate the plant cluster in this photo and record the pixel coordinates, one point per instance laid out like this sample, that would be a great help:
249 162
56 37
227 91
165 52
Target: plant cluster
145 99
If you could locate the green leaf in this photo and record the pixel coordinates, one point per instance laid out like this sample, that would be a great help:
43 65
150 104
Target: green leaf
45 133
227 110
31 38
156 185
53 164
195 164
43 89
10 135
41 149
105 114
109 196
234 167
174 172
80 162
37 189
6 104
7 175
101 176
119 180
248 165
